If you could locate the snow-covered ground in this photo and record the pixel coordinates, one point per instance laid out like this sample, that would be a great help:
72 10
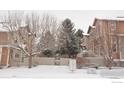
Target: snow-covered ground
49 71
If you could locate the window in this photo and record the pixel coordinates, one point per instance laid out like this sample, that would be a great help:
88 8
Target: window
98 30
112 26
114 48
114 44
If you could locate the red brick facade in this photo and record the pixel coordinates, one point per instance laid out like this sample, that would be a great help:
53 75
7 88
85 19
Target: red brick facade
4 55
107 36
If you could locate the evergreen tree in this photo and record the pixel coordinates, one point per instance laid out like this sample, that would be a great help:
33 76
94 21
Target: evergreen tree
79 36
72 45
79 33
68 37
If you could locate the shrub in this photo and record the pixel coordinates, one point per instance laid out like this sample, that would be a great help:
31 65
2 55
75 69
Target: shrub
48 52
63 51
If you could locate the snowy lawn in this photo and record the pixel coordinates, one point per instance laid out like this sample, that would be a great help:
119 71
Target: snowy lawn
51 71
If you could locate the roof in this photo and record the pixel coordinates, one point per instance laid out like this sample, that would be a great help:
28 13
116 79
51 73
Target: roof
108 19
85 34
114 19
3 29
89 29
104 19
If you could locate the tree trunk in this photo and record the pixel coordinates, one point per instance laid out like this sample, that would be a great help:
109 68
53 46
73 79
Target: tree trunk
30 62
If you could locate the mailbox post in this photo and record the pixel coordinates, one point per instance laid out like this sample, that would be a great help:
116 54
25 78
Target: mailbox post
72 65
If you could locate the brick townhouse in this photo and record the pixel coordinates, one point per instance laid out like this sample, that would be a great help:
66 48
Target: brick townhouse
106 36
5 42
8 52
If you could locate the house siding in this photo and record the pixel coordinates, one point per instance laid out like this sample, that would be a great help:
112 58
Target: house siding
4 43
107 29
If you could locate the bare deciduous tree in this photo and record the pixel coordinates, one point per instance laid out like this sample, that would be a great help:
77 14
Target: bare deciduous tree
23 30
106 46
48 32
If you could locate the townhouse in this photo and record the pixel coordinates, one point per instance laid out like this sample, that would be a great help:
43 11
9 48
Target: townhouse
106 37
9 53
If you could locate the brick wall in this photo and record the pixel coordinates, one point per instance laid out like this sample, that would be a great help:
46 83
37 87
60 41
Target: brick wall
99 36
3 38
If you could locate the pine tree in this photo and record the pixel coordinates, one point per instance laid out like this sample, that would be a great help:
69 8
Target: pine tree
68 39
79 36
